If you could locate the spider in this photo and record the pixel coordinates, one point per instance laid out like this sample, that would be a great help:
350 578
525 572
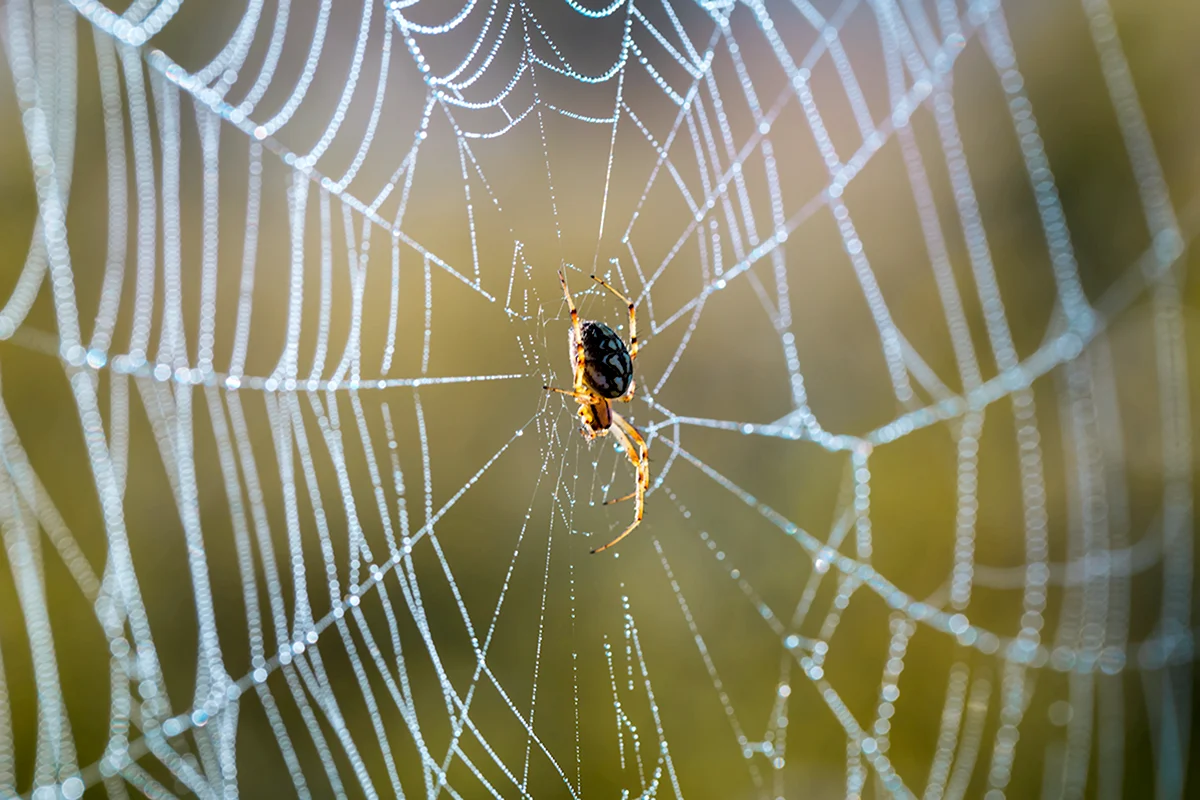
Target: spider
604 372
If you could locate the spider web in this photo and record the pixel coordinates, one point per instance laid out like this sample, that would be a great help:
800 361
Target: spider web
316 533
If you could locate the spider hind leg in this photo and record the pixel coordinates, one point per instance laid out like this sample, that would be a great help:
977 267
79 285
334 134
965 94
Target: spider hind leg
633 337
577 330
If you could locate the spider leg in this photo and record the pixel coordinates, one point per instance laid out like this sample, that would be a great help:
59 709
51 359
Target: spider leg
616 500
578 329
643 449
633 340
640 458
577 395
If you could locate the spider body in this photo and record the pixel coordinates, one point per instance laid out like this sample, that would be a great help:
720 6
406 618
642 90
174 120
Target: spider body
603 372
597 419
607 367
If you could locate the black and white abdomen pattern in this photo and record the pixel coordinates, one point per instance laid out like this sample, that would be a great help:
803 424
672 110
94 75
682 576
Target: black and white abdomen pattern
608 369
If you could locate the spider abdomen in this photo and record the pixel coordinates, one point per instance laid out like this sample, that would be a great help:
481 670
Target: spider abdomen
607 367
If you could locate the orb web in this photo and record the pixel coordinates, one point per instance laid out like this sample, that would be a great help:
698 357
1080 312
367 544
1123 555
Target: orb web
327 535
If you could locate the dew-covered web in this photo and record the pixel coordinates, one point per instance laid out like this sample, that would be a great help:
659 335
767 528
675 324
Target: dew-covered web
319 531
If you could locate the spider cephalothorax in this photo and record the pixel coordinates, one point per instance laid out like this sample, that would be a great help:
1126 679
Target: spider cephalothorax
603 372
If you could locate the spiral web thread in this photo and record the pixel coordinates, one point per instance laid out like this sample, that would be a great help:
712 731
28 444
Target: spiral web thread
148 97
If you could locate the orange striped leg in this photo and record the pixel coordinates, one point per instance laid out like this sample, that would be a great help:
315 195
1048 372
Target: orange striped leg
578 377
568 392
640 458
633 340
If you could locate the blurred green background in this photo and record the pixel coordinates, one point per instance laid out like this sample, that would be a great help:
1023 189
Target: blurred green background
538 507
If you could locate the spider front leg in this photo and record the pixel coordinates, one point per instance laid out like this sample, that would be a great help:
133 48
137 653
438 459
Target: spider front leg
640 458
642 463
